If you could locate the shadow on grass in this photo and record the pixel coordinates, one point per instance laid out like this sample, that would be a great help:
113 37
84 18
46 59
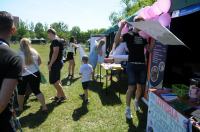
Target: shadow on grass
142 120
79 112
34 120
142 117
68 81
132 127
107 96
119 86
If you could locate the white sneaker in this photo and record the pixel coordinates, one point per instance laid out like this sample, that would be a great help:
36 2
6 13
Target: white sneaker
128 113
136 105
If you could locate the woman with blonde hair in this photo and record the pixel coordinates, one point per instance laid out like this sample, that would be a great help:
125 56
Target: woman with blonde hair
30 75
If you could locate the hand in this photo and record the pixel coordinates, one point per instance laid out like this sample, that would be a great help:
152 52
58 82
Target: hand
123 23
49 67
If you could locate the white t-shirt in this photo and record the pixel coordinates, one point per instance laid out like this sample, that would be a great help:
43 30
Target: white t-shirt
71 47
28 69
86 71
120 50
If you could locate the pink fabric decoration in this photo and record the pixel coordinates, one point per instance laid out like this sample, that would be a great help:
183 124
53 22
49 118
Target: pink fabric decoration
164 19
155 9
124 29
164 5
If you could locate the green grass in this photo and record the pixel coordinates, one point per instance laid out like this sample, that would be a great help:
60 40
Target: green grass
105 112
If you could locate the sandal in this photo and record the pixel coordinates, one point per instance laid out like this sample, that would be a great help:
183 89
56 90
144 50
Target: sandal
54 98
61 100
18 110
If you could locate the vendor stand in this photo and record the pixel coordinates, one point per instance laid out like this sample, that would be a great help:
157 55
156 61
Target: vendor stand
175 65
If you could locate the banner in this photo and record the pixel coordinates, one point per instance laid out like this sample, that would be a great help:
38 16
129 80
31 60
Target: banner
157 65
164 118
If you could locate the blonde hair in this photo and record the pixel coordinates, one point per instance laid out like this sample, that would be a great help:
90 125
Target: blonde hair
25 47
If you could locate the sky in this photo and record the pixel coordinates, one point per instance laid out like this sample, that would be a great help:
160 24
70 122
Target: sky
87 14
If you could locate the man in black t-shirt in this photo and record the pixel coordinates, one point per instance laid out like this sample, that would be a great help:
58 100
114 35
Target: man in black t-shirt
10 71
55 64
136 67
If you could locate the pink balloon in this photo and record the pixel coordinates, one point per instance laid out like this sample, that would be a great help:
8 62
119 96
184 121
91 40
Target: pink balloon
143 34
124 29
155 9
144 13
164 5
148 16
151 12
155 18
164 19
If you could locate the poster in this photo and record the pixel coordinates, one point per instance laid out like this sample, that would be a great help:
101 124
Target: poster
164 118
157 65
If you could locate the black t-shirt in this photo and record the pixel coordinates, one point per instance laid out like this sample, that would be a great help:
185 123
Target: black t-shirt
135 44
10 68
56 43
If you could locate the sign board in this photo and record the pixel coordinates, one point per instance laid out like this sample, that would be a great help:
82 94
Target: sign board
164 118
158 32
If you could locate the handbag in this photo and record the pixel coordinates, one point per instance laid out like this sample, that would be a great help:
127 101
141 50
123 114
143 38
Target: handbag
43 80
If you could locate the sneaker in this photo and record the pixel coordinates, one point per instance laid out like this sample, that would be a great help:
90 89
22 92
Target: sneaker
86 101
82 96
68 76
72 76
61 100
136 105
128 113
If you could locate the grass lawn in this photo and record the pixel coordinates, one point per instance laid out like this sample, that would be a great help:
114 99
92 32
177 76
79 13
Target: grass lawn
105 111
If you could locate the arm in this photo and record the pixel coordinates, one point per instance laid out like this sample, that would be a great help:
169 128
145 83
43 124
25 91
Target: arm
75 45
54 57
118 39
39 60
7 88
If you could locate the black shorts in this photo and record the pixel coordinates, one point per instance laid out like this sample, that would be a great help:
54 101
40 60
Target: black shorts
54 74
70 56
34 83
137 73
85 84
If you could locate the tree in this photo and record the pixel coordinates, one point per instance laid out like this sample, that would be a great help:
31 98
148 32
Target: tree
39 30
127 8
61 29
75 31
31 30
114 18
22 31
131 7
